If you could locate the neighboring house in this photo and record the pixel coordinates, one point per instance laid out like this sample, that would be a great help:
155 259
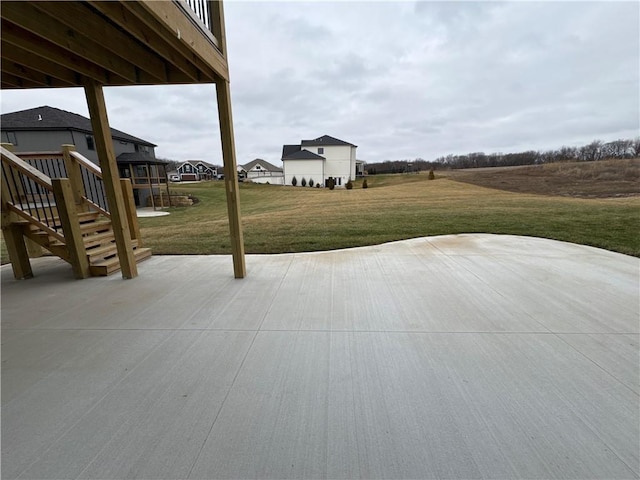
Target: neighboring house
261 171
195 170
46 128
360 170
318 160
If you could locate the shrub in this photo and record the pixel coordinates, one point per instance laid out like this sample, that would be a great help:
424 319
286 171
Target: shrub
317 185
311 182
349 184
331 183
364 184
431 175
294 181
303 182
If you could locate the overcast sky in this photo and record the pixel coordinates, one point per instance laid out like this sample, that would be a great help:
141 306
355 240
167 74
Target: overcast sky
399 79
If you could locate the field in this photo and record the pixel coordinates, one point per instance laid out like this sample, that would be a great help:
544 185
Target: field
395 207
542 202
604 179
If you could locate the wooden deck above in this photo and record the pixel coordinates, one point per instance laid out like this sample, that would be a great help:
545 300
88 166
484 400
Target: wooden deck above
61 44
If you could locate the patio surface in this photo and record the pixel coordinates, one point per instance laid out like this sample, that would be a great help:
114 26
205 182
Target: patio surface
466 356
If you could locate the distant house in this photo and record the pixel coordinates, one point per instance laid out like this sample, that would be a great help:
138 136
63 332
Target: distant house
47 128
319 160
194 170
261 171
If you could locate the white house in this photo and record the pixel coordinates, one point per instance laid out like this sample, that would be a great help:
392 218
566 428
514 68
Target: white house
261 171
318 160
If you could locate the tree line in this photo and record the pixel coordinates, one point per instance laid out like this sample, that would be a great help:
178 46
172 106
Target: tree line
596 150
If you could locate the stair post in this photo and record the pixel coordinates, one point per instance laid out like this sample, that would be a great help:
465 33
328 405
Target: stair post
12 232
130 207
65 200
75 177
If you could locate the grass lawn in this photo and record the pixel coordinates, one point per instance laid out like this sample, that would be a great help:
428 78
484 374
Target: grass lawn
280 219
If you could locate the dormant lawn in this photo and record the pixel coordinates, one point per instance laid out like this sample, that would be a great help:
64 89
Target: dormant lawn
279 219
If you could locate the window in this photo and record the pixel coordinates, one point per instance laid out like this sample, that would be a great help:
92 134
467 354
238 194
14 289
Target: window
201 168
11 137
90 144
320 150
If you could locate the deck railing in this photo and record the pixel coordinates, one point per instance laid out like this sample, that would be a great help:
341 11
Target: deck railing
92 188
201 10
28 193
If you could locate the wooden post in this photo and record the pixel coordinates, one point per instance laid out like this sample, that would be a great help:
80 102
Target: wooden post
231 177
65 200
75 177
153 202
223 94
110 177
130 206
12 232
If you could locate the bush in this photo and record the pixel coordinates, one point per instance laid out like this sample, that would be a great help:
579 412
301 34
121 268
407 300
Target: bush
294 181
431 175
317 185
311 182
364 184
349 184
303 182
331 183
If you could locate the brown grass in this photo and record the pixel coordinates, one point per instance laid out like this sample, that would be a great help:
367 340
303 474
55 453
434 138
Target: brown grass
603 179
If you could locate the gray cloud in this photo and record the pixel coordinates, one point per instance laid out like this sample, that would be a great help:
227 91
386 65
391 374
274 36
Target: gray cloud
399 79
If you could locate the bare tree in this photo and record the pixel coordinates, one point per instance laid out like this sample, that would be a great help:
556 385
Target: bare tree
591 152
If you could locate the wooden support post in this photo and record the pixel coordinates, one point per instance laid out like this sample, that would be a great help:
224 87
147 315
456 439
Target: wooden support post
75 177
223 93
65 200
153 202
110 177
12 232
231 177
130 206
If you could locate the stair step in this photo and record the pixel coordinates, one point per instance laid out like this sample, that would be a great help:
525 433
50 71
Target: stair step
111 265
88 216
98 239
105 251
95 227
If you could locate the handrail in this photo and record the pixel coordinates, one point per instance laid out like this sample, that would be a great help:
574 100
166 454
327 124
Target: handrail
89 165
23 167
51 231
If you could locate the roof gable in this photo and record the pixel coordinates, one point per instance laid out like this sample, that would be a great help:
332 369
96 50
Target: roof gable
49 118
195 163
326 140
258 161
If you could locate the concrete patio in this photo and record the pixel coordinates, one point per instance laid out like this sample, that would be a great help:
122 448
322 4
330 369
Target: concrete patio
466 356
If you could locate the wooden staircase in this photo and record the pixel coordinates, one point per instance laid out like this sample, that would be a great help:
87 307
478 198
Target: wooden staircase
98 240
63 217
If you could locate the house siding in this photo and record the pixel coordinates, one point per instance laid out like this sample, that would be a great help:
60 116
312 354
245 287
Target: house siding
52 140
307 169
340 162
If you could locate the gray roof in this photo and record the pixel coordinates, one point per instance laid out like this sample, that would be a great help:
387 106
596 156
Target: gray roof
139 157
49 118
196 162
289 149
269 166
325 140
303 155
